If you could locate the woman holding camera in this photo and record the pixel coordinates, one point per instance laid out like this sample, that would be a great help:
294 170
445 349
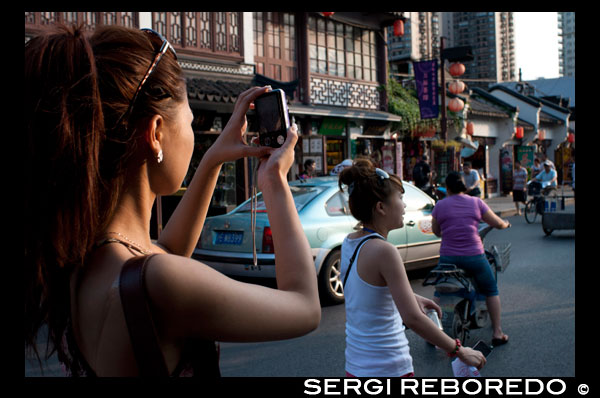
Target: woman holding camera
108 129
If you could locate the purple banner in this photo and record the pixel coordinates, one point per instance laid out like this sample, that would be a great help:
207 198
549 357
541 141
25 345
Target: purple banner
427 88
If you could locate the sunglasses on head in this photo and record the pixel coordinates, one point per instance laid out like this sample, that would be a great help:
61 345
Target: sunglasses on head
164 47
382 174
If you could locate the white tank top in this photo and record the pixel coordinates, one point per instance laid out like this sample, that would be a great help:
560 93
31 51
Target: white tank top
376 345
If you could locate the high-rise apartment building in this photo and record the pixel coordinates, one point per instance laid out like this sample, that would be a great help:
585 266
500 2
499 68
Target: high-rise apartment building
491 36
566 49
421 41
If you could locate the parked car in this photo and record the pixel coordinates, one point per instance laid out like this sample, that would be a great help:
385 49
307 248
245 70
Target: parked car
226 240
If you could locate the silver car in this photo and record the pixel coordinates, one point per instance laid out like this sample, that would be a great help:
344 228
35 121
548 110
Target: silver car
226 241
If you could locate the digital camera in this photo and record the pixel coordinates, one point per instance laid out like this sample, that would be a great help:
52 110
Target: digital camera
272 117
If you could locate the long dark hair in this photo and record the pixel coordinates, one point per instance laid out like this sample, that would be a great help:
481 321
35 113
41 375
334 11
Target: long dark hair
78 148
455 182
366 188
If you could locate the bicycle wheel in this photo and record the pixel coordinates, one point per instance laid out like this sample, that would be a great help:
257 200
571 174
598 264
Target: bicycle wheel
531 211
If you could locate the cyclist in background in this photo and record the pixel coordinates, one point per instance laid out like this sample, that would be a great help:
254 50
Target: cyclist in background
547 177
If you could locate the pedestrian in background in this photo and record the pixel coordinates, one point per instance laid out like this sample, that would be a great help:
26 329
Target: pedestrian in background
378 297
456 220
545 159
422 173
573 172
309 169
519 185
471 179
108 128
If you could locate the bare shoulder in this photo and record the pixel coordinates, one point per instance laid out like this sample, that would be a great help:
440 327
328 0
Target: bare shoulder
380 248
170 277
380 254
179 285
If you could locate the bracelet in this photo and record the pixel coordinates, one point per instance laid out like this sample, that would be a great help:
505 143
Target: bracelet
453 353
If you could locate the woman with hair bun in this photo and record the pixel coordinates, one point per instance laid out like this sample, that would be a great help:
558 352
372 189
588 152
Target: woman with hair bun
378 295
108 129
456 220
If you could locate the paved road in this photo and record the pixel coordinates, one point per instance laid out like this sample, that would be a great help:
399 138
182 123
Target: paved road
538 298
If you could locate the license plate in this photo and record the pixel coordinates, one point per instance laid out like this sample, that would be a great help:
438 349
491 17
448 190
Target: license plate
229 238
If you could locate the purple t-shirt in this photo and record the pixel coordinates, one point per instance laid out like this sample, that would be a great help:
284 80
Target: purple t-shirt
458 217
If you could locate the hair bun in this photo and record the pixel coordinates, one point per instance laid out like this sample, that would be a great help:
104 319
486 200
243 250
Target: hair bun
361 170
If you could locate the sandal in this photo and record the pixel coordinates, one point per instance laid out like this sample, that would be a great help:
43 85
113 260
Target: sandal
497 342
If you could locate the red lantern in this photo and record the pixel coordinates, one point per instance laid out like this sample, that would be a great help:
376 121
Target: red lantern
519 132
457 69
571 138
456 87
398 27
470 128
456 105
327 14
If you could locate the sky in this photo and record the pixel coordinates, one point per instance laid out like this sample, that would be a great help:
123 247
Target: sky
536 44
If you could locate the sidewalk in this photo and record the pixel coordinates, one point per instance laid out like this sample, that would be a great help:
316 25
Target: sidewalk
504 206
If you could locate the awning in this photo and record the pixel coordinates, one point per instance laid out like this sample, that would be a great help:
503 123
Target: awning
467 142
347 113
511 141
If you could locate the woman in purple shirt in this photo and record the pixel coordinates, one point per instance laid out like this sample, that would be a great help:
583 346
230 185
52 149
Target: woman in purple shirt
456 220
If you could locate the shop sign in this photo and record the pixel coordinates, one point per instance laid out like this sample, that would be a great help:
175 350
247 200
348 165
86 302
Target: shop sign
525 155
333 126
427 88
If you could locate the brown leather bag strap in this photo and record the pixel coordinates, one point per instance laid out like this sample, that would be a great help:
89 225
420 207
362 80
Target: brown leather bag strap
142 331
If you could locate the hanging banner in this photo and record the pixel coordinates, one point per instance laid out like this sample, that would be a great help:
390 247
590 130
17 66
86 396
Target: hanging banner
427 88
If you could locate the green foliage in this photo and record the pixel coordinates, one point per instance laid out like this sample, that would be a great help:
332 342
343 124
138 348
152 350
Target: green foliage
404 103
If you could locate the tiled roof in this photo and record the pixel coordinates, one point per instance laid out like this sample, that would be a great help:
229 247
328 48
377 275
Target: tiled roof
216 90
478 107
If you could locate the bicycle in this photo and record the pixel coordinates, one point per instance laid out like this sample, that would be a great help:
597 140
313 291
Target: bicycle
535 205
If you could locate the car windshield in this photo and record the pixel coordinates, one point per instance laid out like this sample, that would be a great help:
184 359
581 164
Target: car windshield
301 194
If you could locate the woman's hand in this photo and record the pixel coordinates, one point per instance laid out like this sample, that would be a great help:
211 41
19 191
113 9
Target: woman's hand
471 357
230 145
426 304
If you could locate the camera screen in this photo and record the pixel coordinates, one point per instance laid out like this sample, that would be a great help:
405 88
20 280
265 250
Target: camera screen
268 114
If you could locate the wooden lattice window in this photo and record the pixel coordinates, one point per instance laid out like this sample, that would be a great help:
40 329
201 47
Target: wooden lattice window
275 45
201 32
341 50
41 20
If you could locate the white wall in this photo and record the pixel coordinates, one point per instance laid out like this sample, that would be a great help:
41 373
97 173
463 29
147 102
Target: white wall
145 20
248 38
527 112
499 128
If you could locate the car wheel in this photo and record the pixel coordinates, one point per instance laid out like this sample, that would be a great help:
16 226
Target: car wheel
330 279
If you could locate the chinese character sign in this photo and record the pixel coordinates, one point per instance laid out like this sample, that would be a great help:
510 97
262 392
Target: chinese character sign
427 88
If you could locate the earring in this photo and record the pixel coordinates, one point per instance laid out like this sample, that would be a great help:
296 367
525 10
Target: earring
159 157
